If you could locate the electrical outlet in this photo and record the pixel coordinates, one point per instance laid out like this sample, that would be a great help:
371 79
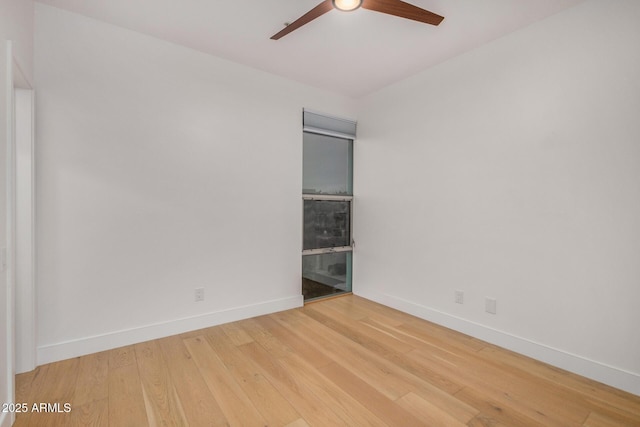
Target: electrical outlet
490 305
199 294
459 298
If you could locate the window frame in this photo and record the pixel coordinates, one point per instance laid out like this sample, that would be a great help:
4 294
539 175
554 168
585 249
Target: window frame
333 127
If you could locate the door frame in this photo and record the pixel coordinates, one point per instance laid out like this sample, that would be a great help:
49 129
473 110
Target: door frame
17 80
25 293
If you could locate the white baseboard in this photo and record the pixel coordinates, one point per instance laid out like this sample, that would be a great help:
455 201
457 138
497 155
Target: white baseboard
88 345
615 377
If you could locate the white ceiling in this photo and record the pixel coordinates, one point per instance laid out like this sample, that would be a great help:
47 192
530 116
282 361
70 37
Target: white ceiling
351 53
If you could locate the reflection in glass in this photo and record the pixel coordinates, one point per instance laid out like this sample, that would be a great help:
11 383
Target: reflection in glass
327 165
326 274
326 224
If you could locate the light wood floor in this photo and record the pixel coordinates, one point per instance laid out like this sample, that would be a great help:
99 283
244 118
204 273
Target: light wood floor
340 362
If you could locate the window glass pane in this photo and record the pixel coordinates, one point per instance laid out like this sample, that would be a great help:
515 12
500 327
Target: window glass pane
326 224
327 165
326 274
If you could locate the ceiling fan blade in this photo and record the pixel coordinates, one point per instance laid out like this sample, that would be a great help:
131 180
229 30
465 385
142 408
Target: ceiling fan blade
317 11
403 10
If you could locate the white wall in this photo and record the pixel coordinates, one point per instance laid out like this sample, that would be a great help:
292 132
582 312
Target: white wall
513 171
160 170
16 24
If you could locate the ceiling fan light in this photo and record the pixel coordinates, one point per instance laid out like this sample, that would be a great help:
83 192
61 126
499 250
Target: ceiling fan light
346 5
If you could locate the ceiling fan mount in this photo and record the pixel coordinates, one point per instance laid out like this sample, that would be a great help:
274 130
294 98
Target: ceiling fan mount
346 5
390 7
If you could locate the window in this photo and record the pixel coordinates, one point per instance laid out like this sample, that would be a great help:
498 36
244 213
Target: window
327 224
327 165
327 205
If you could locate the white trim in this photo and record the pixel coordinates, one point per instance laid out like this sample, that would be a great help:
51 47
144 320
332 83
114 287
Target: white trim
9 270
93 344
327 197
610 375
327 250
5 419
20 79
25 291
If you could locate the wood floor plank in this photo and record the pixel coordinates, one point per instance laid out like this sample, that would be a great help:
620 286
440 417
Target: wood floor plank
236 333
369 397
93 379
596 419
399 334
122 356
199 404
595 394
421 370
28 387
540 402
294 342
377 311
23 383
275 409
263 336
57 388
427 412
350 410
457 408
394 377
417 374
495 411
481 420
611 411
364 335
300 422
296 391
93 413
442 336
354 312
369 366
526 379
162 403
236 405
126 402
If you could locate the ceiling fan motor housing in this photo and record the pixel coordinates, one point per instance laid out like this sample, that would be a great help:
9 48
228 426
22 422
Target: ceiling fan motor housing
346 5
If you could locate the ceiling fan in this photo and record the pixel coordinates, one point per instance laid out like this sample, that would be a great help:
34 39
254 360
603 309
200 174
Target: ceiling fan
390 7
